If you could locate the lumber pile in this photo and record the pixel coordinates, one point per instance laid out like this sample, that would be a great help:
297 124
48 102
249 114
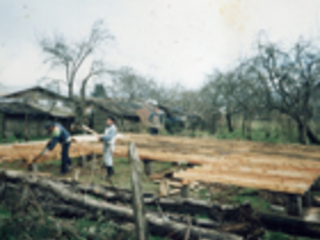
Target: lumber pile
297 182
281 168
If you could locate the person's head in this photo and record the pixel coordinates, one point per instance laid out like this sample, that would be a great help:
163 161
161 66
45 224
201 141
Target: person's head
110 120
49 126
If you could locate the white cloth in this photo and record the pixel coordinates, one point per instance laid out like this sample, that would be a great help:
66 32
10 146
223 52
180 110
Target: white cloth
109 139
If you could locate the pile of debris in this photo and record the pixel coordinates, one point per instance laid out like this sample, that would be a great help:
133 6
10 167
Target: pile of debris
174 218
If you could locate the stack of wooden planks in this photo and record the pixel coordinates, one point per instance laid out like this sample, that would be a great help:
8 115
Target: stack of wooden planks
275 167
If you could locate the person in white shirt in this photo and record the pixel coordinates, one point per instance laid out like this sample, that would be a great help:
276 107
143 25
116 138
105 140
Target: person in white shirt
109 138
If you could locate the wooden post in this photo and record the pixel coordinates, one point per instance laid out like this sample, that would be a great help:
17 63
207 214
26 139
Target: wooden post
294 205
33 167
185 191
307 199
137 203
82 161
148 167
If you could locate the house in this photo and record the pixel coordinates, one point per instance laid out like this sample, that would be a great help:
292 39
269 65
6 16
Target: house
23 113
98 109
177 119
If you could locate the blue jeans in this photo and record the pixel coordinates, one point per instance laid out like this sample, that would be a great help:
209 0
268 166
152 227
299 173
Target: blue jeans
66 161
154 131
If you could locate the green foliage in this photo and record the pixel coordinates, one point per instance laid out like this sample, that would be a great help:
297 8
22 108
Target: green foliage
158 238
259 134
99 91
202 194
281 236
29 226
18 138
256 202
4 213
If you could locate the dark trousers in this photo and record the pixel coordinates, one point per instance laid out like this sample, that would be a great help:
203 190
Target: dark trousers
154 131
66 161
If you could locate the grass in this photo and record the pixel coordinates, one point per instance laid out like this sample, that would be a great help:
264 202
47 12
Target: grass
121 179
4 213
281 236
258 135
13 139
27 226
257 203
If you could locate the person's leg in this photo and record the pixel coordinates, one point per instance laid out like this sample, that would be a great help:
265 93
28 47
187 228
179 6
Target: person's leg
69 162
154 131
108 161
148 163
64 159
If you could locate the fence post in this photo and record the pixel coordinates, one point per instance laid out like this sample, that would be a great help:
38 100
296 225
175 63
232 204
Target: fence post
137 201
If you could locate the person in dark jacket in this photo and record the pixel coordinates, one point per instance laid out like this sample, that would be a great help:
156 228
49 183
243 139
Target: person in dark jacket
60 135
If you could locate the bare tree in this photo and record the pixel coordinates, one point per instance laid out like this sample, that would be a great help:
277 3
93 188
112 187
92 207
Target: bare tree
290 78
71 57
221 87
128 84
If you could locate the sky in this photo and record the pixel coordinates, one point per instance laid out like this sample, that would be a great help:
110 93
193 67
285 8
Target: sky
171 41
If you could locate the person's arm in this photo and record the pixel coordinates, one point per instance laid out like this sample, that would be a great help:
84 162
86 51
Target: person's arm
86 128
109 136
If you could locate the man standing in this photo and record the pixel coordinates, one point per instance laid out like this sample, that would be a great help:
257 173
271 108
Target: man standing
155 121
109 138
60 134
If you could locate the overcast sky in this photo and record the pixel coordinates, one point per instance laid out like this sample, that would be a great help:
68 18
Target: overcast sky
169 40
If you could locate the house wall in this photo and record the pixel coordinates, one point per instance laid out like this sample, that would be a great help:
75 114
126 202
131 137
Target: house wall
123 124
1 125
16 125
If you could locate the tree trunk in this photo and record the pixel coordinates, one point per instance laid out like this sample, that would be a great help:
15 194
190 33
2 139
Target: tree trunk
213 124
243 131
302 129
70 90
249 128
312 136
78 105
229 122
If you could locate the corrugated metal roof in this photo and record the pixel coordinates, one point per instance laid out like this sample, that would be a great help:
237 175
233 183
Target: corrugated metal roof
18 106
115 107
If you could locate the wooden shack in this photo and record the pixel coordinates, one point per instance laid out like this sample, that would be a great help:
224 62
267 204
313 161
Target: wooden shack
24 113
98 110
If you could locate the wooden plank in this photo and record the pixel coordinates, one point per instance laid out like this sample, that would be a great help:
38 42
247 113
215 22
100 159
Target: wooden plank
249 182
